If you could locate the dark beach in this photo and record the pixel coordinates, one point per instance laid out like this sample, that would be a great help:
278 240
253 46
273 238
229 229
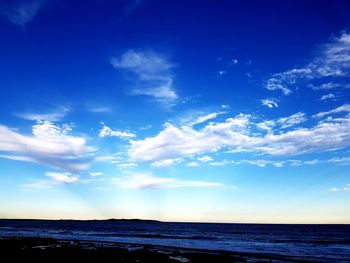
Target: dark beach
36 249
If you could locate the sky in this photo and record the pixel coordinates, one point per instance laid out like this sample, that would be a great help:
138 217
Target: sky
201 111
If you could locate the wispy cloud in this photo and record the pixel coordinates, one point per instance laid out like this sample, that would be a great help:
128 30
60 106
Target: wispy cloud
282 123
343 108
332 61
127 165
20 12
50 144
152 75
291 120
18 158
100 109
164 94
260 162
281 163
328 96
204 118
132 5
37 185
166 162
54 115
205 158
108 132
222 72
94 174
324 86
345 188
220 163
149 181
192 164
66 178
107 158
270 103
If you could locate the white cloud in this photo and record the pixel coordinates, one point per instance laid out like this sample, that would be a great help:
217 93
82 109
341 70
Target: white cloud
146 65
18 158
101 109
192 164
106 131
337 160
260 162
292 120
55 115
343 108
164 94
324 86
149 181
205 118
237 134
147 127
345 188
341 160
50 144
94 174
152 74
174 142
322 137
282 123
107 158
328 96
276 83
280 163
127 165
66 178
266 125
37 185
234 61
205 158
270 103
20 12
166 162
333 61
225 106
220 163
222 72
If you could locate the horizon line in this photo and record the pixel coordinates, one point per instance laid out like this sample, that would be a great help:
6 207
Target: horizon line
162 221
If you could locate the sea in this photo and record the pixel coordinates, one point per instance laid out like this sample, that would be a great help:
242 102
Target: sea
320 243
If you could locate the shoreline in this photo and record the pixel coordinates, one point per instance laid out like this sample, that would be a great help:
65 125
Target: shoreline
40 248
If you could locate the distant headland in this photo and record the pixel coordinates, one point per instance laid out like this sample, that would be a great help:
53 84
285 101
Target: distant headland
131 220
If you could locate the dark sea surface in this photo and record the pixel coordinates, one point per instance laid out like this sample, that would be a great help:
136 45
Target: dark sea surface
324 243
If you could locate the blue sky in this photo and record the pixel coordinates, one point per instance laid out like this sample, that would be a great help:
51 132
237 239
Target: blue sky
235 111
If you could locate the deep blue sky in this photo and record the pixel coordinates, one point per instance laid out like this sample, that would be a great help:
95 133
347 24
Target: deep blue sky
216 102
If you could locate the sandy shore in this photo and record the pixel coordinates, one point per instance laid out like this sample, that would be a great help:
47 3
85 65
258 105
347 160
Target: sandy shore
26 249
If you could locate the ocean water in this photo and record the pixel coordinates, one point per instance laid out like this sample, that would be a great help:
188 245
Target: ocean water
324 243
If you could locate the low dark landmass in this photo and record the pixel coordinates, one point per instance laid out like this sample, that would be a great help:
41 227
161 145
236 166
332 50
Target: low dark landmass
34 249
136 220
131 220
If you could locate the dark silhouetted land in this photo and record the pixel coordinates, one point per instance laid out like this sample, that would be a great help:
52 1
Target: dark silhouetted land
34 249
